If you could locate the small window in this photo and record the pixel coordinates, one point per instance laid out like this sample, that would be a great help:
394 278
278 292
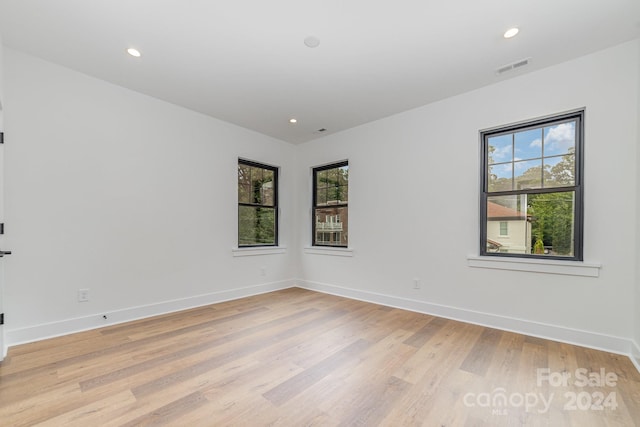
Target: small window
532 189
257 204
330 205
504 228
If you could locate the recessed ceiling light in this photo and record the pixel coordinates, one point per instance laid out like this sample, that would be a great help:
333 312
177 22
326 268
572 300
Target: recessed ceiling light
312 41
511 32
134 52
293 121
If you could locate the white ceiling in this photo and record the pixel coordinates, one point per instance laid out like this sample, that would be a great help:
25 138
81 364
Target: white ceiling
244 61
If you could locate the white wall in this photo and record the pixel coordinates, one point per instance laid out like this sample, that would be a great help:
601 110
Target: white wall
418 172
128 196
135 199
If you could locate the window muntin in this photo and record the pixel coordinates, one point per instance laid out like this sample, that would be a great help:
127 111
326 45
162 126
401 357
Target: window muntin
331 205
257 204
531 180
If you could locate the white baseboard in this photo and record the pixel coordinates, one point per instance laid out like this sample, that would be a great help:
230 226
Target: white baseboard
635 354
68 326
582 338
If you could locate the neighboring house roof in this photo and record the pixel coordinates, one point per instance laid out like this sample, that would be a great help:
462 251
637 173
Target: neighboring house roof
497 212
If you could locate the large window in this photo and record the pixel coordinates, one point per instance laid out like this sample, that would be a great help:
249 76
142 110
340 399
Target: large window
532 187
257 204
330 205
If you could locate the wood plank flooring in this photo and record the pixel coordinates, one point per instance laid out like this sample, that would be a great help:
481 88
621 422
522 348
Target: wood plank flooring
301 358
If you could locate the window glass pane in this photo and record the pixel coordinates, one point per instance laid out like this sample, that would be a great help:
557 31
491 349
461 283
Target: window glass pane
540 224
260 188
321 197
337 195
552 223
508 226
561 171
500 177
343 175
244 193
331 226
244 183
528 174
267 194
332 194
332 177
500 149
256 226
267 175
244 174
342 194
528 144
321 179
256 175
255 193
560 139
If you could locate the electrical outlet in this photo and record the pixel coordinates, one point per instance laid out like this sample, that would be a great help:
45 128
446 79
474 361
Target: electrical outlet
416 283
83 295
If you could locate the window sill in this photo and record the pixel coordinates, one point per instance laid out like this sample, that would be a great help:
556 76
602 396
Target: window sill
322 250
569 268
259 250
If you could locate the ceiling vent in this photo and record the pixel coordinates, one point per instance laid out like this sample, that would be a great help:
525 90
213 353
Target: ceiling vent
513 66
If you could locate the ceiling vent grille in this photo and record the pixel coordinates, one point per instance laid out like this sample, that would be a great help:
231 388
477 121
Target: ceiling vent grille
513 66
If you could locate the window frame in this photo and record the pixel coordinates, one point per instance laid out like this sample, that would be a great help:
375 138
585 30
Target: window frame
577 188
275 207
315 206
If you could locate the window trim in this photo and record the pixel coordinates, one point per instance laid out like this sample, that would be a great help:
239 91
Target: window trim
329 250
577 188
275 207
548 266
314 205
258 250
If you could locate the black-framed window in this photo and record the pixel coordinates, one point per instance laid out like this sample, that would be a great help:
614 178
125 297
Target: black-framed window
257 204
532 186
331 205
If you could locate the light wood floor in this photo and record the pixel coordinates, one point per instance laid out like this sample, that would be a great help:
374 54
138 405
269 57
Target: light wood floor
300 358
